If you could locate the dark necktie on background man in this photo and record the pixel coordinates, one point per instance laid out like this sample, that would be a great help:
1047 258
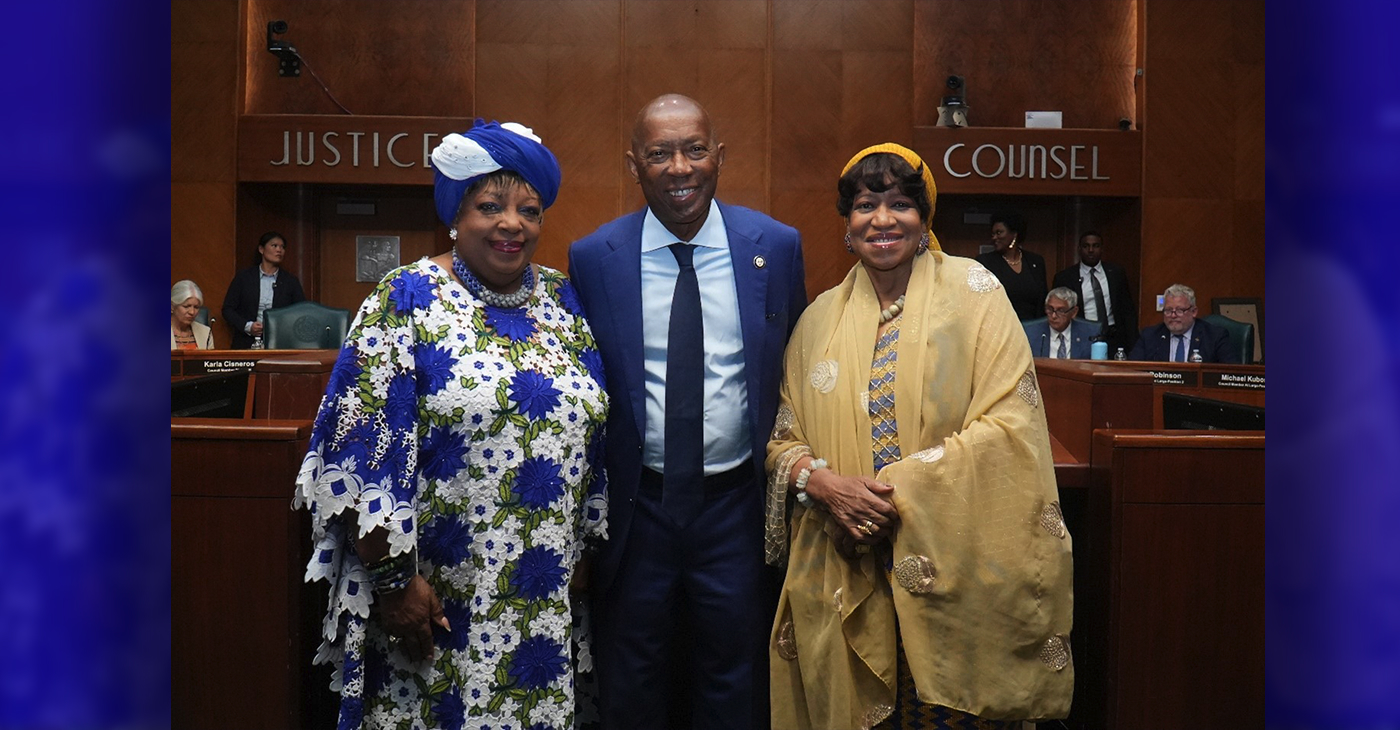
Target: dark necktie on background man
682 482
1060 352
1179 349
1099 307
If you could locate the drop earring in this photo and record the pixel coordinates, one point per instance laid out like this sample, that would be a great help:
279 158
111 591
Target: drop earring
923 245
849 247
452 233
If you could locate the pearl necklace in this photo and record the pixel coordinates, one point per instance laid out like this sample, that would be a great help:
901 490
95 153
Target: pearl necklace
892 311
514 300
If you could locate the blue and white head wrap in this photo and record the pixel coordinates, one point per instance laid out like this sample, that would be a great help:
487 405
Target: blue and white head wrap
462 159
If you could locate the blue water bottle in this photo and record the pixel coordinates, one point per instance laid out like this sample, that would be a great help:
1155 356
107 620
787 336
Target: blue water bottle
1099 351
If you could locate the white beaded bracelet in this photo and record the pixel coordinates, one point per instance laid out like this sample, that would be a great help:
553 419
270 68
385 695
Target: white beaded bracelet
803 475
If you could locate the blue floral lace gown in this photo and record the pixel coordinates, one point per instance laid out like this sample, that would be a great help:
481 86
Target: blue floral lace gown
472 434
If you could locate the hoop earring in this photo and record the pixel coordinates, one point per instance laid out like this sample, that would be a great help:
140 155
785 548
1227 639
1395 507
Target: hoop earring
452 233
849 247
923 245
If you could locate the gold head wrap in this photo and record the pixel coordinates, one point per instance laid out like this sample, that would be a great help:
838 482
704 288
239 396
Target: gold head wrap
916 162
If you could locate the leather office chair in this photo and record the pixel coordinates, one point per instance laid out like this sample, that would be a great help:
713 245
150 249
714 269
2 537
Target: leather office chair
202 316
305 326
1241 336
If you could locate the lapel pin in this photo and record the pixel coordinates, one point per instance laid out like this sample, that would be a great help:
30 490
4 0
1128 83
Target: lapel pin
759 262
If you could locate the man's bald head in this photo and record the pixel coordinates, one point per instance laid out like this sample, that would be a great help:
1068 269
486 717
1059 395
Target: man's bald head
676 161
667 106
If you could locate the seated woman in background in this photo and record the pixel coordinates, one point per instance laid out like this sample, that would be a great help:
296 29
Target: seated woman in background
259 288
454 471
185 333
928 575
1021 272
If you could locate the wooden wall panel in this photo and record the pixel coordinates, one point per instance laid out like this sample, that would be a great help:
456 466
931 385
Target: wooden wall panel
565 87
203 81
1024 55
1185 241
409 57
1190 131
840 78
1203 155
204 58
202 222
1249 131
406 212
807 158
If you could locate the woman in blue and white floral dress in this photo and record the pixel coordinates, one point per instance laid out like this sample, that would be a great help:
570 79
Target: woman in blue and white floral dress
454 475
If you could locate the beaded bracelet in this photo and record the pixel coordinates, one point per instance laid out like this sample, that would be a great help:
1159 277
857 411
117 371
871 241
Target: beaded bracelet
391 574
803 498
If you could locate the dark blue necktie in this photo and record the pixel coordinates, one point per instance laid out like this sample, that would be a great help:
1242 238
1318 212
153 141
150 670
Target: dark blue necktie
682 483
1180 355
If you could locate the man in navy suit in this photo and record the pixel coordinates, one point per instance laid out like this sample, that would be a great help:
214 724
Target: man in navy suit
1181 334
1110 304
691 303
1060 336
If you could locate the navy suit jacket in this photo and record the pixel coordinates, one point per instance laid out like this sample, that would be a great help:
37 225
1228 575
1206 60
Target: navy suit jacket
606 270
1042 339
1213 342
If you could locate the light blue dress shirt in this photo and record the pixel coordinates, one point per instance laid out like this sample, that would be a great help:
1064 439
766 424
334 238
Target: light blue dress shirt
266 282
1055 342
727 442
1185 346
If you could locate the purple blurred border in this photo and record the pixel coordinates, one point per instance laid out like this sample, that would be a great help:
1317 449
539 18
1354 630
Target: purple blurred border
84 449
1333 171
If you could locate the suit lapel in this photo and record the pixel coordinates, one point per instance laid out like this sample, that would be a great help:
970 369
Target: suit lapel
621 272
751 280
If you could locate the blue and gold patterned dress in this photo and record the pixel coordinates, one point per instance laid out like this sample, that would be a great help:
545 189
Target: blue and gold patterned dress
472 434
909 712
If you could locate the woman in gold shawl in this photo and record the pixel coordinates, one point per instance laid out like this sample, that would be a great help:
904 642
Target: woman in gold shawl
912 493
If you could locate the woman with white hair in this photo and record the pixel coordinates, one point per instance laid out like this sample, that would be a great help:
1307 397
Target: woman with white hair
185 333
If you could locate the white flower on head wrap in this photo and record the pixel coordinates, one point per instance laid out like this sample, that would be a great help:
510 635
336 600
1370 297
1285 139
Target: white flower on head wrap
460 157
521 130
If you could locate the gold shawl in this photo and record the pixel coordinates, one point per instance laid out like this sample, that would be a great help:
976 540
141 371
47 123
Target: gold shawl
982 563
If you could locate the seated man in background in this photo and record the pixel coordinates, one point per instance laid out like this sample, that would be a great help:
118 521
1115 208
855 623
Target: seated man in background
1059 336
1181 334
1103 287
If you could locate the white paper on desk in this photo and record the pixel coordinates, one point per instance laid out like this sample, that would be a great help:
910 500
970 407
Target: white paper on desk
1044 120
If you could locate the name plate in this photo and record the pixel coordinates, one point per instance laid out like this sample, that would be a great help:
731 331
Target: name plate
1174 377
214 367
1234 380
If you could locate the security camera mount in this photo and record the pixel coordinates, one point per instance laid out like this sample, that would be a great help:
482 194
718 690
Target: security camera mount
288 61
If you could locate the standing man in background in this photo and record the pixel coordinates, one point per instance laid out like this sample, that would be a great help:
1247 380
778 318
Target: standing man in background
691 302
1103 287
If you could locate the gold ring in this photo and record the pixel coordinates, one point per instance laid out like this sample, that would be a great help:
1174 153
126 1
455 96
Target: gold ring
867 527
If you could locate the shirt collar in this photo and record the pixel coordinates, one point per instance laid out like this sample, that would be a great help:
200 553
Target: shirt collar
266 275
1085 269
711 235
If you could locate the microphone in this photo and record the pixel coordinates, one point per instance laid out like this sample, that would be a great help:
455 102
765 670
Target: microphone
1043 350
